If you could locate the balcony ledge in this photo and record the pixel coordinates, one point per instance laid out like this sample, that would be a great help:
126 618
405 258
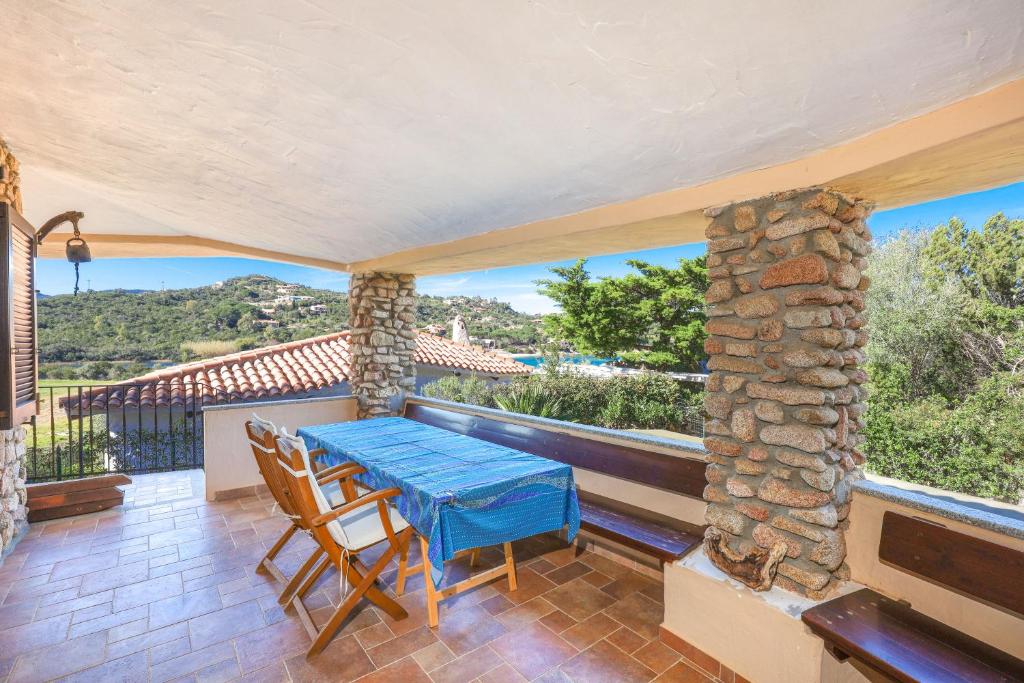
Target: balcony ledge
1000 518
684 448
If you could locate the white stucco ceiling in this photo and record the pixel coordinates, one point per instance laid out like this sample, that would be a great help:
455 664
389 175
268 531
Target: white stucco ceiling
350 130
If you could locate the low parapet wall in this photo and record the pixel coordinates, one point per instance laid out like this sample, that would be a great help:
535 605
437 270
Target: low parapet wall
230 468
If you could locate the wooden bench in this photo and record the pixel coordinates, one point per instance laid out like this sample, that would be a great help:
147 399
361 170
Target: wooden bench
655 535
892 639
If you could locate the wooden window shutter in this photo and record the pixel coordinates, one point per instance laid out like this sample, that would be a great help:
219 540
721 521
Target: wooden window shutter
19 386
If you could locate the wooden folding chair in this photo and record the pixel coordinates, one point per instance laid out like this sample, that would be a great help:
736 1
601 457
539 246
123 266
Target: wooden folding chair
261 435
342 533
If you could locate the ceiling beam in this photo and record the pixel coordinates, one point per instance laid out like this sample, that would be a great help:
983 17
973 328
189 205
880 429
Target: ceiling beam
164 246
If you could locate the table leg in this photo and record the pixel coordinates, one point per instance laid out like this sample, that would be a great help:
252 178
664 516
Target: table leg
510 567
432 619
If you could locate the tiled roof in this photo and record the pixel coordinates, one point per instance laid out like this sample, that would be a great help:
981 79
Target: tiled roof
296 367
443 352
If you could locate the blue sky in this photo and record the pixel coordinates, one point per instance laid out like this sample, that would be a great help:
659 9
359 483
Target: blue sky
514 285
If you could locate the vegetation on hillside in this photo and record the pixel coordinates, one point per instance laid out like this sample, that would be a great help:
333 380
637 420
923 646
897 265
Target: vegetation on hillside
242 313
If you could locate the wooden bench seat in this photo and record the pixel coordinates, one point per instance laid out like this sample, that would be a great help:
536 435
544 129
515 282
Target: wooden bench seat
641 530
905 645
901 643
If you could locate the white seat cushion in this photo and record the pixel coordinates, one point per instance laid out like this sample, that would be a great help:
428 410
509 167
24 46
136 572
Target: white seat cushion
362 528
334 496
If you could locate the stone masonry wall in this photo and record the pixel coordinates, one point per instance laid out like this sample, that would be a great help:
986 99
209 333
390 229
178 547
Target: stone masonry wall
382 315
10 182
13 513
12 441
784 401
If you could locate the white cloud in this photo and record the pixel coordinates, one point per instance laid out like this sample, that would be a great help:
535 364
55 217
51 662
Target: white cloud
430 285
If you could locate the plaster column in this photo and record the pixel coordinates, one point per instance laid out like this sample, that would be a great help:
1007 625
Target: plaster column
13 513
382 315
784 400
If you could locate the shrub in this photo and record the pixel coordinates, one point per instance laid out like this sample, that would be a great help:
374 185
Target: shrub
469 389
527 398
581 398
57 371
972 448
655 360
645 401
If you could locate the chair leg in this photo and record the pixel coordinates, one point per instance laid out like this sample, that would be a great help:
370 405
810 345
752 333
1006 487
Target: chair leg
432 618
311 579
267 563
293 585
360 585
510 565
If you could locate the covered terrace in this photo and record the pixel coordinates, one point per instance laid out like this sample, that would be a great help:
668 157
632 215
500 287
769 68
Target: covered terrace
390 142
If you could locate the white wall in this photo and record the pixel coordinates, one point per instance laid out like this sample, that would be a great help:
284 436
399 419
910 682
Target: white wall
228 458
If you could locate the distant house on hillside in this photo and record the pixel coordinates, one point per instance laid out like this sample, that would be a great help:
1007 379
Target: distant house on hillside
291 298
146 412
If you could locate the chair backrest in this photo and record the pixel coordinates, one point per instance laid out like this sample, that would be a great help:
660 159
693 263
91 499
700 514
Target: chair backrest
261 434
293 459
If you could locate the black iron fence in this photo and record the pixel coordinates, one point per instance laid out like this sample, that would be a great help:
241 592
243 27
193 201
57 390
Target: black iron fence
132 428
693 421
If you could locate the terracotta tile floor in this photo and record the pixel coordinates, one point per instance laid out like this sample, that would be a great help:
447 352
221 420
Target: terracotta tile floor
164 589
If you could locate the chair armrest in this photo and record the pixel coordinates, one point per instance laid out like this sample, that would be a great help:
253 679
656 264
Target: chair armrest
313 454
369 498
342 471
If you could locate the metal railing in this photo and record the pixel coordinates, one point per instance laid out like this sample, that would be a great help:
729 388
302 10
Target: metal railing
133 428
693 421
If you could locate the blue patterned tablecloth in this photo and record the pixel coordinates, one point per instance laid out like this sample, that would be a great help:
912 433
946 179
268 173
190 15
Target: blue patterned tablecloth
457 492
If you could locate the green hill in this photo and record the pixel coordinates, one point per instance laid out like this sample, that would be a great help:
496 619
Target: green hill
241 313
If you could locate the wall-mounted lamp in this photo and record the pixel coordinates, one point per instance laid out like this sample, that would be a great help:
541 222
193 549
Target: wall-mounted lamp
76 250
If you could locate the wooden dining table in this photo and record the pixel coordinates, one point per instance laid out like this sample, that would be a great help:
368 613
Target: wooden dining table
459 493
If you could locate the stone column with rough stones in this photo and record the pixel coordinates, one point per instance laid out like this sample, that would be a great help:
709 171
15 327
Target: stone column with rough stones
13 495
785 400
382 315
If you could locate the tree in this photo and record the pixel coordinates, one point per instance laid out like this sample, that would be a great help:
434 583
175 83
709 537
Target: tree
656 309
944 358
989 262
916 319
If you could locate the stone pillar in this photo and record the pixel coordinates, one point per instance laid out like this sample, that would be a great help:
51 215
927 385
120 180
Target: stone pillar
382 315
13 513
784 401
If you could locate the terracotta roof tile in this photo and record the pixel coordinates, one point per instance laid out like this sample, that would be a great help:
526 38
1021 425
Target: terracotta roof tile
293 368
